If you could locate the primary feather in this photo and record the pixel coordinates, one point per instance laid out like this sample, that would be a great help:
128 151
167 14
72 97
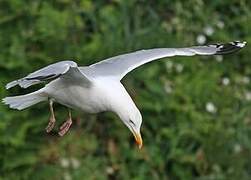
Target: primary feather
118 66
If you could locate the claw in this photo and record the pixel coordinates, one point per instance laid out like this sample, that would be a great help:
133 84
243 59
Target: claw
50 125
64 128
52 120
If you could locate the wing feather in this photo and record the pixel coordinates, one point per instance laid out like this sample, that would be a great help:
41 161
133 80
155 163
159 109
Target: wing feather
119 66
67 69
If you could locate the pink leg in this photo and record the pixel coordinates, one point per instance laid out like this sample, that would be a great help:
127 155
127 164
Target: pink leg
64 128
52 119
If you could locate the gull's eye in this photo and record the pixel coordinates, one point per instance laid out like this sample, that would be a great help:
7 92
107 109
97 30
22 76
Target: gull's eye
132 122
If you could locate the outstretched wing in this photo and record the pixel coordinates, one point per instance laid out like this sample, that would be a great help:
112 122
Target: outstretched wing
67 69
119 66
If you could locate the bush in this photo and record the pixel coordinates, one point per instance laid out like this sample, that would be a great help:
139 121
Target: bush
196 110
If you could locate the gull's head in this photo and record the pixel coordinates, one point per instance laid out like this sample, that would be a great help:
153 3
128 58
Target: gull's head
133 120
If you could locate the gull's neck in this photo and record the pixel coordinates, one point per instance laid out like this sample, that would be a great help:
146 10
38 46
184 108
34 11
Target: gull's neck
118 100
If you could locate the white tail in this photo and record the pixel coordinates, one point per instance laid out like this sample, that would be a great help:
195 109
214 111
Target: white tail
24 101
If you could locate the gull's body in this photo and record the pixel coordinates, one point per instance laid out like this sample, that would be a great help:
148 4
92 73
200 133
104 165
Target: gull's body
97 87
91 99
103 95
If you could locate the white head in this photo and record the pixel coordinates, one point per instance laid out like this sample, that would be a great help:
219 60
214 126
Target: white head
132 119
120 102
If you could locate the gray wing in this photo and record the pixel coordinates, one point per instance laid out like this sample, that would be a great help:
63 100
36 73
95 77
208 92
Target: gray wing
66 69
119 66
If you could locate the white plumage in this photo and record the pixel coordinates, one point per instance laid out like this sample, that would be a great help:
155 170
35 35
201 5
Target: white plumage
97 87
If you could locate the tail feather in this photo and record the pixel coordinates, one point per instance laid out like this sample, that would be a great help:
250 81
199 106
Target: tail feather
24 101
22 83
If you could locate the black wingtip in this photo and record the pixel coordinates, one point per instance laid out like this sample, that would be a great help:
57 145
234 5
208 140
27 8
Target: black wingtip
230 47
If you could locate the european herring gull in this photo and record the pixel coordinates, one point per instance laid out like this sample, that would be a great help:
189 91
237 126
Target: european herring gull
97 87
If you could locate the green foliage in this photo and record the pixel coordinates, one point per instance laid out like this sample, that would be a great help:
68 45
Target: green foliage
196 110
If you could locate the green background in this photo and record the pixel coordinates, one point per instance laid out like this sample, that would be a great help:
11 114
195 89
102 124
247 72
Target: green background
196 110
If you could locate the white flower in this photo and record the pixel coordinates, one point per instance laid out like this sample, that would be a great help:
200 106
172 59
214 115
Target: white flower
67 176
168 88
210 107
208 30
109 170
246 80
247 120
237 148
216 167
220 24
225 81
169 65
179 68
201 39
64 162
75 163
248 96
219 58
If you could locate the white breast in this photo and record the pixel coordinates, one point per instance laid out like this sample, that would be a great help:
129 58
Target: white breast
76 97
102 95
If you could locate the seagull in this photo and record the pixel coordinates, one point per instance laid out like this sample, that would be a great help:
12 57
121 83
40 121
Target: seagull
98 88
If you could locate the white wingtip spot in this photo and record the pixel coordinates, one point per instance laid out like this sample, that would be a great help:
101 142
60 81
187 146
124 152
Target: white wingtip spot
241 44
11 84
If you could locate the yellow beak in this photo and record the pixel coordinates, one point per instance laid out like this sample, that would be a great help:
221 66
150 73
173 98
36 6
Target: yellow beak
138 139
